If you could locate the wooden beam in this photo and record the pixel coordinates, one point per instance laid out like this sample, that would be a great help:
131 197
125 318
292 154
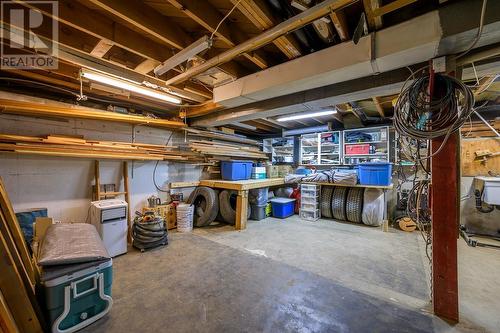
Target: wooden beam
206 15
268 36
379 107
204 109
339 21
445 215
51 109
374 22
147 66
390 7
70 49
15 294
259 13
101 48
148 20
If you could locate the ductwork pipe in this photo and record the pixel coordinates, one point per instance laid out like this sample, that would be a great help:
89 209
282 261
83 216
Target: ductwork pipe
306 130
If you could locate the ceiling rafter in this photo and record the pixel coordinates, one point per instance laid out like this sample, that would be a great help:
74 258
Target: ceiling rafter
203 13
260 15
151 23
97 25
378 106
374 22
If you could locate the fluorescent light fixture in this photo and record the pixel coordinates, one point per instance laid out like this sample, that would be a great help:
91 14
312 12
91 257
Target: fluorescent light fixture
183 55
308 115
130 86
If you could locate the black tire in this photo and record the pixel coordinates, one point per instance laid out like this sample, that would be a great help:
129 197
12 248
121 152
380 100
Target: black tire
206 206
354 204
338 203
326 201
227 206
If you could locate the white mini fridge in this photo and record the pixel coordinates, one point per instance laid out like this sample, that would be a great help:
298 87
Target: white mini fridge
110 219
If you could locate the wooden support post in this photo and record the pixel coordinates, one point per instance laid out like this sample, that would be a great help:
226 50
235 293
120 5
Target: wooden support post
97 181
126 188
445 220
445 180
241 210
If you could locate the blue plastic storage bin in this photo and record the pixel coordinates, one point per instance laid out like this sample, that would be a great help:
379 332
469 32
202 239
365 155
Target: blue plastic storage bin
282 207
375 173
236 170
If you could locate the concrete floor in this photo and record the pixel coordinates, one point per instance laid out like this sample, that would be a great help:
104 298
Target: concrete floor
294 276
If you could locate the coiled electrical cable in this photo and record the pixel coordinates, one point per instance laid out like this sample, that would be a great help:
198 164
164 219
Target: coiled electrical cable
422 116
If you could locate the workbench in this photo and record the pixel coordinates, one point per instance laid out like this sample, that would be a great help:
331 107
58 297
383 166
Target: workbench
241 186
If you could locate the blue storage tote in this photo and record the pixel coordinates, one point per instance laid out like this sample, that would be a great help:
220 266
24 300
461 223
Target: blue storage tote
236 170
282 207
375 173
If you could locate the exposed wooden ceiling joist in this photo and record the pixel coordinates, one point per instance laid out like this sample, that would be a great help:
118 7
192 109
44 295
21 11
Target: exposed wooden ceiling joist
203 13
339 21
374 22
259 14
82 18
379 107
70 50
151 23
266 37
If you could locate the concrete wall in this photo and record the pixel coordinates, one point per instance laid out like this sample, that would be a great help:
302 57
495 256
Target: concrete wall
475 221
63 185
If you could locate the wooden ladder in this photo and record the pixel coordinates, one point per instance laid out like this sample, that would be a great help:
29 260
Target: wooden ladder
102 195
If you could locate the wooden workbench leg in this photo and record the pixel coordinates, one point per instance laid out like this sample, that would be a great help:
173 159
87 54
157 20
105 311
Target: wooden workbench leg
97 181
126 188
385 222
241 210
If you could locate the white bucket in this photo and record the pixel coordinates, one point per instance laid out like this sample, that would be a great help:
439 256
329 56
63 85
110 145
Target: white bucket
185 215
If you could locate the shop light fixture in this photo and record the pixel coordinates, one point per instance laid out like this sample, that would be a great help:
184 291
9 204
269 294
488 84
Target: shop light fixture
129 85
308 115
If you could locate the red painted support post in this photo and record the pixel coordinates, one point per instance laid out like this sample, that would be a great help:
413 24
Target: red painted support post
445 220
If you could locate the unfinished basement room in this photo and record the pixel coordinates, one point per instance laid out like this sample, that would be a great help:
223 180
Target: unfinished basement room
250 166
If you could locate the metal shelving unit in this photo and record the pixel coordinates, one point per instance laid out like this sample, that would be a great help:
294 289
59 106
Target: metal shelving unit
321 148
366 145
281 149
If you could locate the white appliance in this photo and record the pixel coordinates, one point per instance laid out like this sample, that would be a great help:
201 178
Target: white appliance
110 219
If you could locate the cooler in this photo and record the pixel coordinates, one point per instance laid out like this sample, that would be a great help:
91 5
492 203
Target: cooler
75 296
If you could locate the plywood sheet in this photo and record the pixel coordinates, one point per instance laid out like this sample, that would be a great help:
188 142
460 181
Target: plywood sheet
475 167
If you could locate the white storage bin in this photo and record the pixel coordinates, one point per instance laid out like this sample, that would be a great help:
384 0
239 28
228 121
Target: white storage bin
309 216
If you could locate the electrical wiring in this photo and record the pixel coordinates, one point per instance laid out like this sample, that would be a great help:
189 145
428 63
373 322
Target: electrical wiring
418 116
224 18
479 31
156 166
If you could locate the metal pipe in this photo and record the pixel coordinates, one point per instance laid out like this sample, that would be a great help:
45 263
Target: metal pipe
266 37
305 130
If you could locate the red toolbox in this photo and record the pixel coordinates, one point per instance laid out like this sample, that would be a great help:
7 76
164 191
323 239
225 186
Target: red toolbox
357 149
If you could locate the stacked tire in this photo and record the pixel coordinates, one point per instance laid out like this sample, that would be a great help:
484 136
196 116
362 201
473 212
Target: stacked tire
342 203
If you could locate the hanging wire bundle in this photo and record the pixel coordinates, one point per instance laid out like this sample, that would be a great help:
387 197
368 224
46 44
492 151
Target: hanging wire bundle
420 115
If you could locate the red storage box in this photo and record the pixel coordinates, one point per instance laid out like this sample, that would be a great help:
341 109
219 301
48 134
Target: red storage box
357 149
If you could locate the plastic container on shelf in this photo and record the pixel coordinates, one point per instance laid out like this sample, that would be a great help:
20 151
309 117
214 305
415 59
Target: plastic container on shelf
309 199
309 215
236 170
310 207
375 173
258 196
282 207
357 149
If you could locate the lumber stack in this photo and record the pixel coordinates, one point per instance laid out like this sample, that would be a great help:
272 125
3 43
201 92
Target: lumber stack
226 149
75 146
19 310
